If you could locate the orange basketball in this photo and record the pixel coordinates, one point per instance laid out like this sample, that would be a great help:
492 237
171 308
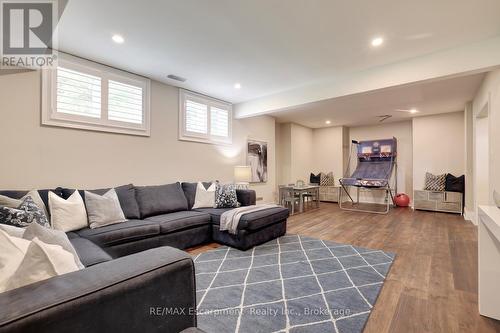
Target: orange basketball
402 200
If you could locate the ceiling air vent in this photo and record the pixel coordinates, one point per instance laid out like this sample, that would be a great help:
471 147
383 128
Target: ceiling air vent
176 78
384 117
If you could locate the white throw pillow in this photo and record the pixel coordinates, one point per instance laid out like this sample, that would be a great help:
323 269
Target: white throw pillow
41 261
12 251
205 198
14 203
51 236
24 262
13 231
104 209
67 215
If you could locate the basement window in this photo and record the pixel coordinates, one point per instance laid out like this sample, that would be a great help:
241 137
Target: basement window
86 95
204 119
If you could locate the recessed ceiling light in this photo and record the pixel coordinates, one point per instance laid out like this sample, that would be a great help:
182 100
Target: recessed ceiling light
328 122
118 39
413 111
237 86
377 41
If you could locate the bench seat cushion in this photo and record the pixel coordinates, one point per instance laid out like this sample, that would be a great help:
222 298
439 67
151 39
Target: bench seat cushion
250 221
120 232
180 220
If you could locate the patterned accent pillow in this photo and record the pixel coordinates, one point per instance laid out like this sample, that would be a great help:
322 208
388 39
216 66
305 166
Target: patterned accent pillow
435 183
327 179
225 196
27 212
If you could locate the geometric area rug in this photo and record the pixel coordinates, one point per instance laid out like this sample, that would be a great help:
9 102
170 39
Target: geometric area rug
291 284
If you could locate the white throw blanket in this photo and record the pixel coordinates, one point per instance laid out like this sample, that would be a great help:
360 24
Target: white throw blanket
229 220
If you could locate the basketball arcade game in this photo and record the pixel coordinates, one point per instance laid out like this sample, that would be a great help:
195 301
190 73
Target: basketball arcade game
375 168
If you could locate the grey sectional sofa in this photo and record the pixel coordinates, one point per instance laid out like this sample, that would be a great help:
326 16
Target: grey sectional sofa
134 267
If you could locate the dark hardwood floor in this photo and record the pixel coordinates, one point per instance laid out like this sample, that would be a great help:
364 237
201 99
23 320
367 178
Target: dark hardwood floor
432 285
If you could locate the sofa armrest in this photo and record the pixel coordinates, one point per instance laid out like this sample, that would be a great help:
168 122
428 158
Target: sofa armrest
246 197
151 291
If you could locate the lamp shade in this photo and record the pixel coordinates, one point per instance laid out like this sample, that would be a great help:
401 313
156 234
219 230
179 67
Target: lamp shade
242 174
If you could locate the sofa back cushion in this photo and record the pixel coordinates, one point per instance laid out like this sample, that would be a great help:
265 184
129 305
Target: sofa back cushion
126 196
190 192
162 199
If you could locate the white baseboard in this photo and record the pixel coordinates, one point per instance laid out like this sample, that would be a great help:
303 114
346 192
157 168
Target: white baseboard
470 216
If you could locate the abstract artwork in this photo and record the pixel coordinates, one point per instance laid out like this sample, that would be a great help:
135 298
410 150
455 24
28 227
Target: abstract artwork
257 160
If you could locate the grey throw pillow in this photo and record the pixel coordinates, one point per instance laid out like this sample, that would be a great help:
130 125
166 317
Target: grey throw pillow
435 183
104 209
225 196
28 212
125 193
52 236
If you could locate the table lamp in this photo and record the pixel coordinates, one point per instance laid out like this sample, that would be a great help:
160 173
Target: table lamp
242 176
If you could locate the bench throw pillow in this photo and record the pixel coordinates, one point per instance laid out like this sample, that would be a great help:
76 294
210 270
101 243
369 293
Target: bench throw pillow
103 209
14 203
163 199
225 196
205 198
67 215
28 212
455 184
315 179
327 179
435 182
25 262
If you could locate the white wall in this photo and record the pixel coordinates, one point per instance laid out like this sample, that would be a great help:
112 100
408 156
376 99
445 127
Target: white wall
283 153
403 132
301 153
438 146
489 94
36 156
328 151
469 159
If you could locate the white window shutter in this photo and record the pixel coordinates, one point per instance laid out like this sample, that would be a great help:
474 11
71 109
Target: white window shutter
219 122
125 102
204 119
78 93
196 117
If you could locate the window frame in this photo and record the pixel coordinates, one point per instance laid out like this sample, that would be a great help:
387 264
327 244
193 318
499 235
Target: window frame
51 117
208 138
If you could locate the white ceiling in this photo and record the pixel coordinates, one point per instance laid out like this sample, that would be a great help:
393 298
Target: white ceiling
441 96
267 45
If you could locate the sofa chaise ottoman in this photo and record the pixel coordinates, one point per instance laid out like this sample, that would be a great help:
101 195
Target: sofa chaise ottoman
253 229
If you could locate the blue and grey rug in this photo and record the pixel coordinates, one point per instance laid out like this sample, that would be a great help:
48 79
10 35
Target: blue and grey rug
291 284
